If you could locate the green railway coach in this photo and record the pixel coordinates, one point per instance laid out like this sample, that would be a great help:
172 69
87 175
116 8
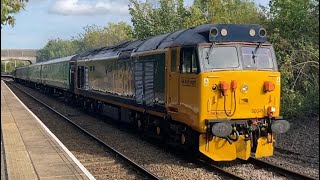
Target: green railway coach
35 73
22 73
56 73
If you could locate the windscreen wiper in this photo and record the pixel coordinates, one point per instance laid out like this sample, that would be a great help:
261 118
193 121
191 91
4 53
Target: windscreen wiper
209 52
255 51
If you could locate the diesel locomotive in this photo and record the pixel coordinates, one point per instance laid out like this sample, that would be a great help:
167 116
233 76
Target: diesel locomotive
215 87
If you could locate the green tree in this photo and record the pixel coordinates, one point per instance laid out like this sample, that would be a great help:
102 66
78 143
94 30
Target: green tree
57 48
170 15
113 33
93 37
151 19
233 11
294 27
8 8
295 18
195 16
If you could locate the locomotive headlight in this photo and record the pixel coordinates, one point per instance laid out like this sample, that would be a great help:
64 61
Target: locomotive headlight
280 126
273 109
262 32
244 88
224 32
221 129
252 32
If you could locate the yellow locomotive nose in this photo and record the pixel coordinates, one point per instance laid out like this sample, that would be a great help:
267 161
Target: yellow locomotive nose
240 120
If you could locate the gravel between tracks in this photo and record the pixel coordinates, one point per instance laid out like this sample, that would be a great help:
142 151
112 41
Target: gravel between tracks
303 138
156 160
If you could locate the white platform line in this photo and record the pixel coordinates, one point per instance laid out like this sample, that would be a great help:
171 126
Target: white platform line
84 170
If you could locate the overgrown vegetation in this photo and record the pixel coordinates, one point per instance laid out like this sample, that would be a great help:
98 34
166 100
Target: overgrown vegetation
292 25
8 66
8 8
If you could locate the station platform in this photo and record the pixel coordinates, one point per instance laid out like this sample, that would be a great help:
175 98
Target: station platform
29 150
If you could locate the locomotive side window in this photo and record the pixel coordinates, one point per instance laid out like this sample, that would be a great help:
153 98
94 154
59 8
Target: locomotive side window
189 61
174 60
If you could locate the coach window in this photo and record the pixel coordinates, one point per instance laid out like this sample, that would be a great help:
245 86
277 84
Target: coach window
189 60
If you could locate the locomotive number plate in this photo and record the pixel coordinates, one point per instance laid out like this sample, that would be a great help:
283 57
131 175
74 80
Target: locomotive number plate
257 110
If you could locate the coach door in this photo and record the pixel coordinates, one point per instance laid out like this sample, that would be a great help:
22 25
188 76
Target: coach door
173 77
72 75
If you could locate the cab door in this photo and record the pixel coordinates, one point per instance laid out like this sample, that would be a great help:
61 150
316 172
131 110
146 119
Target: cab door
173 77
189 86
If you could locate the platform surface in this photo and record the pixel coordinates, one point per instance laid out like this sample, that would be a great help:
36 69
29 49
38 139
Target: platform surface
28 149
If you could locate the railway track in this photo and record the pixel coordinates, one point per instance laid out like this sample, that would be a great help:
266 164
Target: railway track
278 169
216 168
212 167
285 151
105 162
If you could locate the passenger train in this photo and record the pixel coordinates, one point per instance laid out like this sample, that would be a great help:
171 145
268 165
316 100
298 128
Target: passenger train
214 87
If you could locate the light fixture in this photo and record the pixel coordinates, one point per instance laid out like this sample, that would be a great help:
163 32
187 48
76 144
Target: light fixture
244 88
252 32
224 32
221 129
262 32
214 32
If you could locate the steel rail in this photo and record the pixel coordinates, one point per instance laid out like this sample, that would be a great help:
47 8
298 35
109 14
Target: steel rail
136 166
219 170
279 169
285 151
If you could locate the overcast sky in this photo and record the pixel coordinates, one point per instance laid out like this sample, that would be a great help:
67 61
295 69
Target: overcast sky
42 20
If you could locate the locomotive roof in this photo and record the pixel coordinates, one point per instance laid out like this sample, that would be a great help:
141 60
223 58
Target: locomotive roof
189 36
67 58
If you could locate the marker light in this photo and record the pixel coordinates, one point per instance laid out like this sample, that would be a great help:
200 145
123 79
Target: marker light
271 111
252 32
244 88
214 32
224 32
262 32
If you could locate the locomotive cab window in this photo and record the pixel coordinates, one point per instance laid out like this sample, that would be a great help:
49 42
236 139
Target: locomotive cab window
189 60
219 57
257 58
